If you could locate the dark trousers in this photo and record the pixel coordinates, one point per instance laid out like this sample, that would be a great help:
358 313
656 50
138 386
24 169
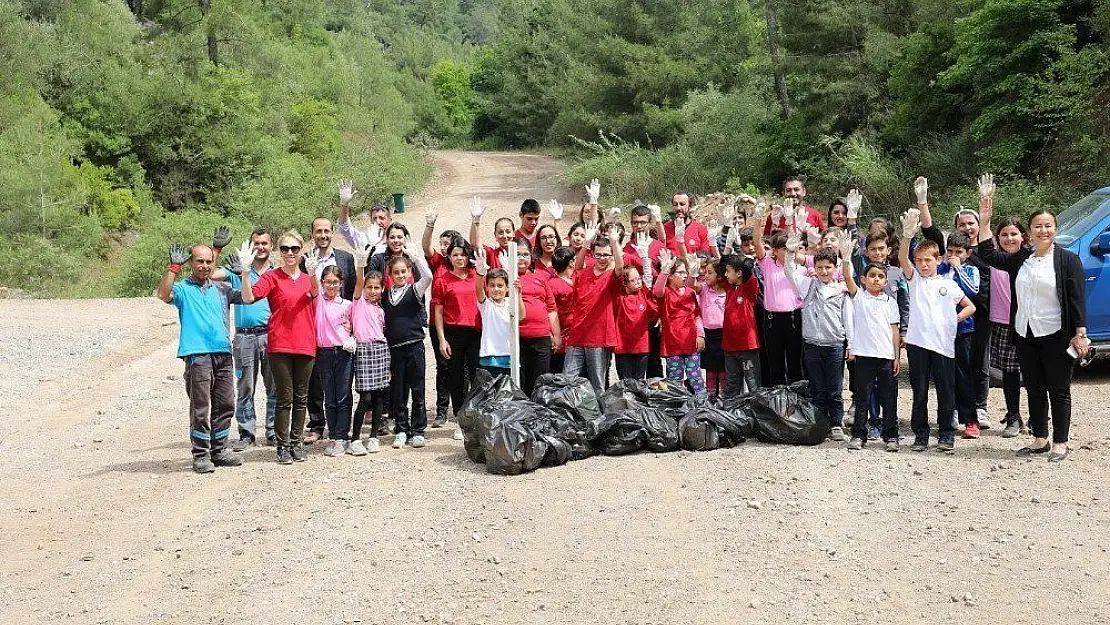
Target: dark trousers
291 375
981 361
465 344
784 347
535 360
825 366
316 420
967 379
210 386
443 379
926 365
558 359
374 403
655 361
632 366
337 371
874 375
406 368
742 372
1046 369
1011 391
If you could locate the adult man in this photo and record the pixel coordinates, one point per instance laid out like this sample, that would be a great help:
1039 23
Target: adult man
684 229
204 345
794 189
326 256
249 347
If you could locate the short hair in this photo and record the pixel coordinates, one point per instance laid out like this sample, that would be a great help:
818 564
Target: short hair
529 207
497 274
332 270
959 239
746 235
450 234
792 178
640 211
257 232
330 224
778 239
869 266
602 242
826 256
875 237
379 208
578 225
561 258
693 199
626 268
927 245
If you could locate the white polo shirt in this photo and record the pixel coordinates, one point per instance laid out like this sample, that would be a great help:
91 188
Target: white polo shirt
872 318
932 323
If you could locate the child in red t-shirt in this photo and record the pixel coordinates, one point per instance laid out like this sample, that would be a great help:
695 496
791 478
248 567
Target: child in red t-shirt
683 337
595 293
635 310
561 286
740 340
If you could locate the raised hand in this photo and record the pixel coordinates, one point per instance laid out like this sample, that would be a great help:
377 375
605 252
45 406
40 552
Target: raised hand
220 238
503 258
480 264
374 235
714 229
986 209
346 192
591 234
179 255
679 228
986 185
362 256
793 242
593 191
759 213
693 261
412 249
641 243
666 260
613 233
911 223
846 245
776 215
614 213
788 211
656 212
430 216
310 261
555 209
731 239
921 189
476 209
812 232
853 202
233 263
727 213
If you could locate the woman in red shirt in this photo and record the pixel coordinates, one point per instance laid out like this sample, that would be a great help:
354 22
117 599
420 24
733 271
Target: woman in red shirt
683 337
547 241
291 339
457 322
540 334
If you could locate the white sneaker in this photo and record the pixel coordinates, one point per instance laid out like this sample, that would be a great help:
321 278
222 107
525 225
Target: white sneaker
335 448
837 433
984 418
372 445
458 435
356 448
417 441
399 440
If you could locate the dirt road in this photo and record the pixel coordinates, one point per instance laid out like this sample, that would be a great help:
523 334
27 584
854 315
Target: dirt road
101 520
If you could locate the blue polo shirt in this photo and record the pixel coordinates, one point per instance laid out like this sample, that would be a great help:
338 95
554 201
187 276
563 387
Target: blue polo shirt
255 315
202 312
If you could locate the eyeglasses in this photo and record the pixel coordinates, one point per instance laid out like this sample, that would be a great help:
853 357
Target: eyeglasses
290 249
331 283
603 255
549 237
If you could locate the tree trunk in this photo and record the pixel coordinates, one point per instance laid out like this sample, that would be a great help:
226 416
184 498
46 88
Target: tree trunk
776 62
136 7
210 32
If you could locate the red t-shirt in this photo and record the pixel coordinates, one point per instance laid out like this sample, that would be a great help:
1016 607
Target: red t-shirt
292 327
679 315
635 314
696 237
458 298
531 239
546 271
538 302
563 292
740 331
632 258
594 297
493 257
812 217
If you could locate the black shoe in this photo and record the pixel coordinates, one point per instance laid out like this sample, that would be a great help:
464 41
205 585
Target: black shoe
439 422
271 441
1057 457
298 452
203 465
1028 451
920 444
284 456
946 444
224 458
242 444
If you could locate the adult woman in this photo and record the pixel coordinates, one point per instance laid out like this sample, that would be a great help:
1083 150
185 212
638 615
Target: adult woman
576 236
457 321
1010 237
540 334
291 339
396 236
1047 314
547 240
838 214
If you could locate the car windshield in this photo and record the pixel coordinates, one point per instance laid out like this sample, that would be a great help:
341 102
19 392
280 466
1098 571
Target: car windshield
1074 221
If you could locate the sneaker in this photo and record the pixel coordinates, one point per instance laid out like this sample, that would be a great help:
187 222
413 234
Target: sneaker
225 458
418 441
242 444
948 444
458 435
284 455
203 465
373 445
892 445
335 448
1013 427
873 433
855 444
399 440
271 441
971 431
837 434
984 418
298 452
356 448
920 444
439 422
311 437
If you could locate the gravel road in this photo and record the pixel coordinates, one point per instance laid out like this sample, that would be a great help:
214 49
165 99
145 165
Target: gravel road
102 520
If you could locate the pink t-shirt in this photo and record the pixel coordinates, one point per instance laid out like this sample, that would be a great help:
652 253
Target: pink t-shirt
712 306
1000 297
330 317
778 295
368 321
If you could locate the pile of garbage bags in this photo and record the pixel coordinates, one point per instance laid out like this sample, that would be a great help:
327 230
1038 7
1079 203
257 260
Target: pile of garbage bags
565 420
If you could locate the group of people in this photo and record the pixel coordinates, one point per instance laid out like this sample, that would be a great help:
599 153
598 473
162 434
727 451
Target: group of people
753 296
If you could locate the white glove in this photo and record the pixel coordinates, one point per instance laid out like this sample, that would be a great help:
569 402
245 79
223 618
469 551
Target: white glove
911 222
813 233
593 191
373 235
430 216
503 258
555 209
310 261
986 185
614 213
759 213
656 212
613 234
666 260
679 229
412 249
793 242
642 244
853 203
693 261
350 345
847 245
480 264
362 256
788 211
921 189
714 229
728 212
731 239
476 209
776 215
246 252
346 192
591 234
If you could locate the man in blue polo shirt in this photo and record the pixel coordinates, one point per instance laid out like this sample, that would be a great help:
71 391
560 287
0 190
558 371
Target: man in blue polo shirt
203 343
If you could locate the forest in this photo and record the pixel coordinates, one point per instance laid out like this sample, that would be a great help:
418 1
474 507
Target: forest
125 125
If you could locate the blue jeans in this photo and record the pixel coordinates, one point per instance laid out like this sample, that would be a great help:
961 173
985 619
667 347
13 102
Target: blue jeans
825 366
337 373
595 361
250 359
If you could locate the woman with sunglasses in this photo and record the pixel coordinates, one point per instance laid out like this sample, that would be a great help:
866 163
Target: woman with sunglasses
291 338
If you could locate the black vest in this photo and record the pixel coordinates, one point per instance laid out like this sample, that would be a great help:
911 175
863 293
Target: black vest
404 321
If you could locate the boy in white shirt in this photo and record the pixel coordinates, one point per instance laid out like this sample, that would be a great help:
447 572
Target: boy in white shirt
931 335
873 346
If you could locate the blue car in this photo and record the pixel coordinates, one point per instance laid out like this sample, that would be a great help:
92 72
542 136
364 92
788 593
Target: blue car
1084 228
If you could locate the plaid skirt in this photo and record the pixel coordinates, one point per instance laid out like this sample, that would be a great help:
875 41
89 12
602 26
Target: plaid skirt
371 367
1003 349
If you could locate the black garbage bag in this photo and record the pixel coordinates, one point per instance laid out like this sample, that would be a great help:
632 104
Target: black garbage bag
669 396
626 431
740 407
523 436
706 427
624 395
784 414
567 394
485 391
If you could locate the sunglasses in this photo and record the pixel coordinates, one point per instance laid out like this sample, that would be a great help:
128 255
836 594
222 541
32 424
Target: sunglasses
290 249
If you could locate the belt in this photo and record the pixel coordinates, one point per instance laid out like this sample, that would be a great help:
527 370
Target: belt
251 330
329 349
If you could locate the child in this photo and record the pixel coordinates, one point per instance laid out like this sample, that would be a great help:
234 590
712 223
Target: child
711 306
636 311
561 286
491 287
967 276
334 359
529 220
595 291
404 331
740 340
683 335
931 336
783 323
371 355
457 322
826 325
873 349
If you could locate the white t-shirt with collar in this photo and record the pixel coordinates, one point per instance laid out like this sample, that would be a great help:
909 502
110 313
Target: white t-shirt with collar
873 317
932 323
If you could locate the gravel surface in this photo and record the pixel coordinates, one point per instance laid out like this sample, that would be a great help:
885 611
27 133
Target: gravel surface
102 521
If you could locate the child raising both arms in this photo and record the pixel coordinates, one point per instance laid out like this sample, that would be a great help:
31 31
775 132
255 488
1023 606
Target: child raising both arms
683 337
